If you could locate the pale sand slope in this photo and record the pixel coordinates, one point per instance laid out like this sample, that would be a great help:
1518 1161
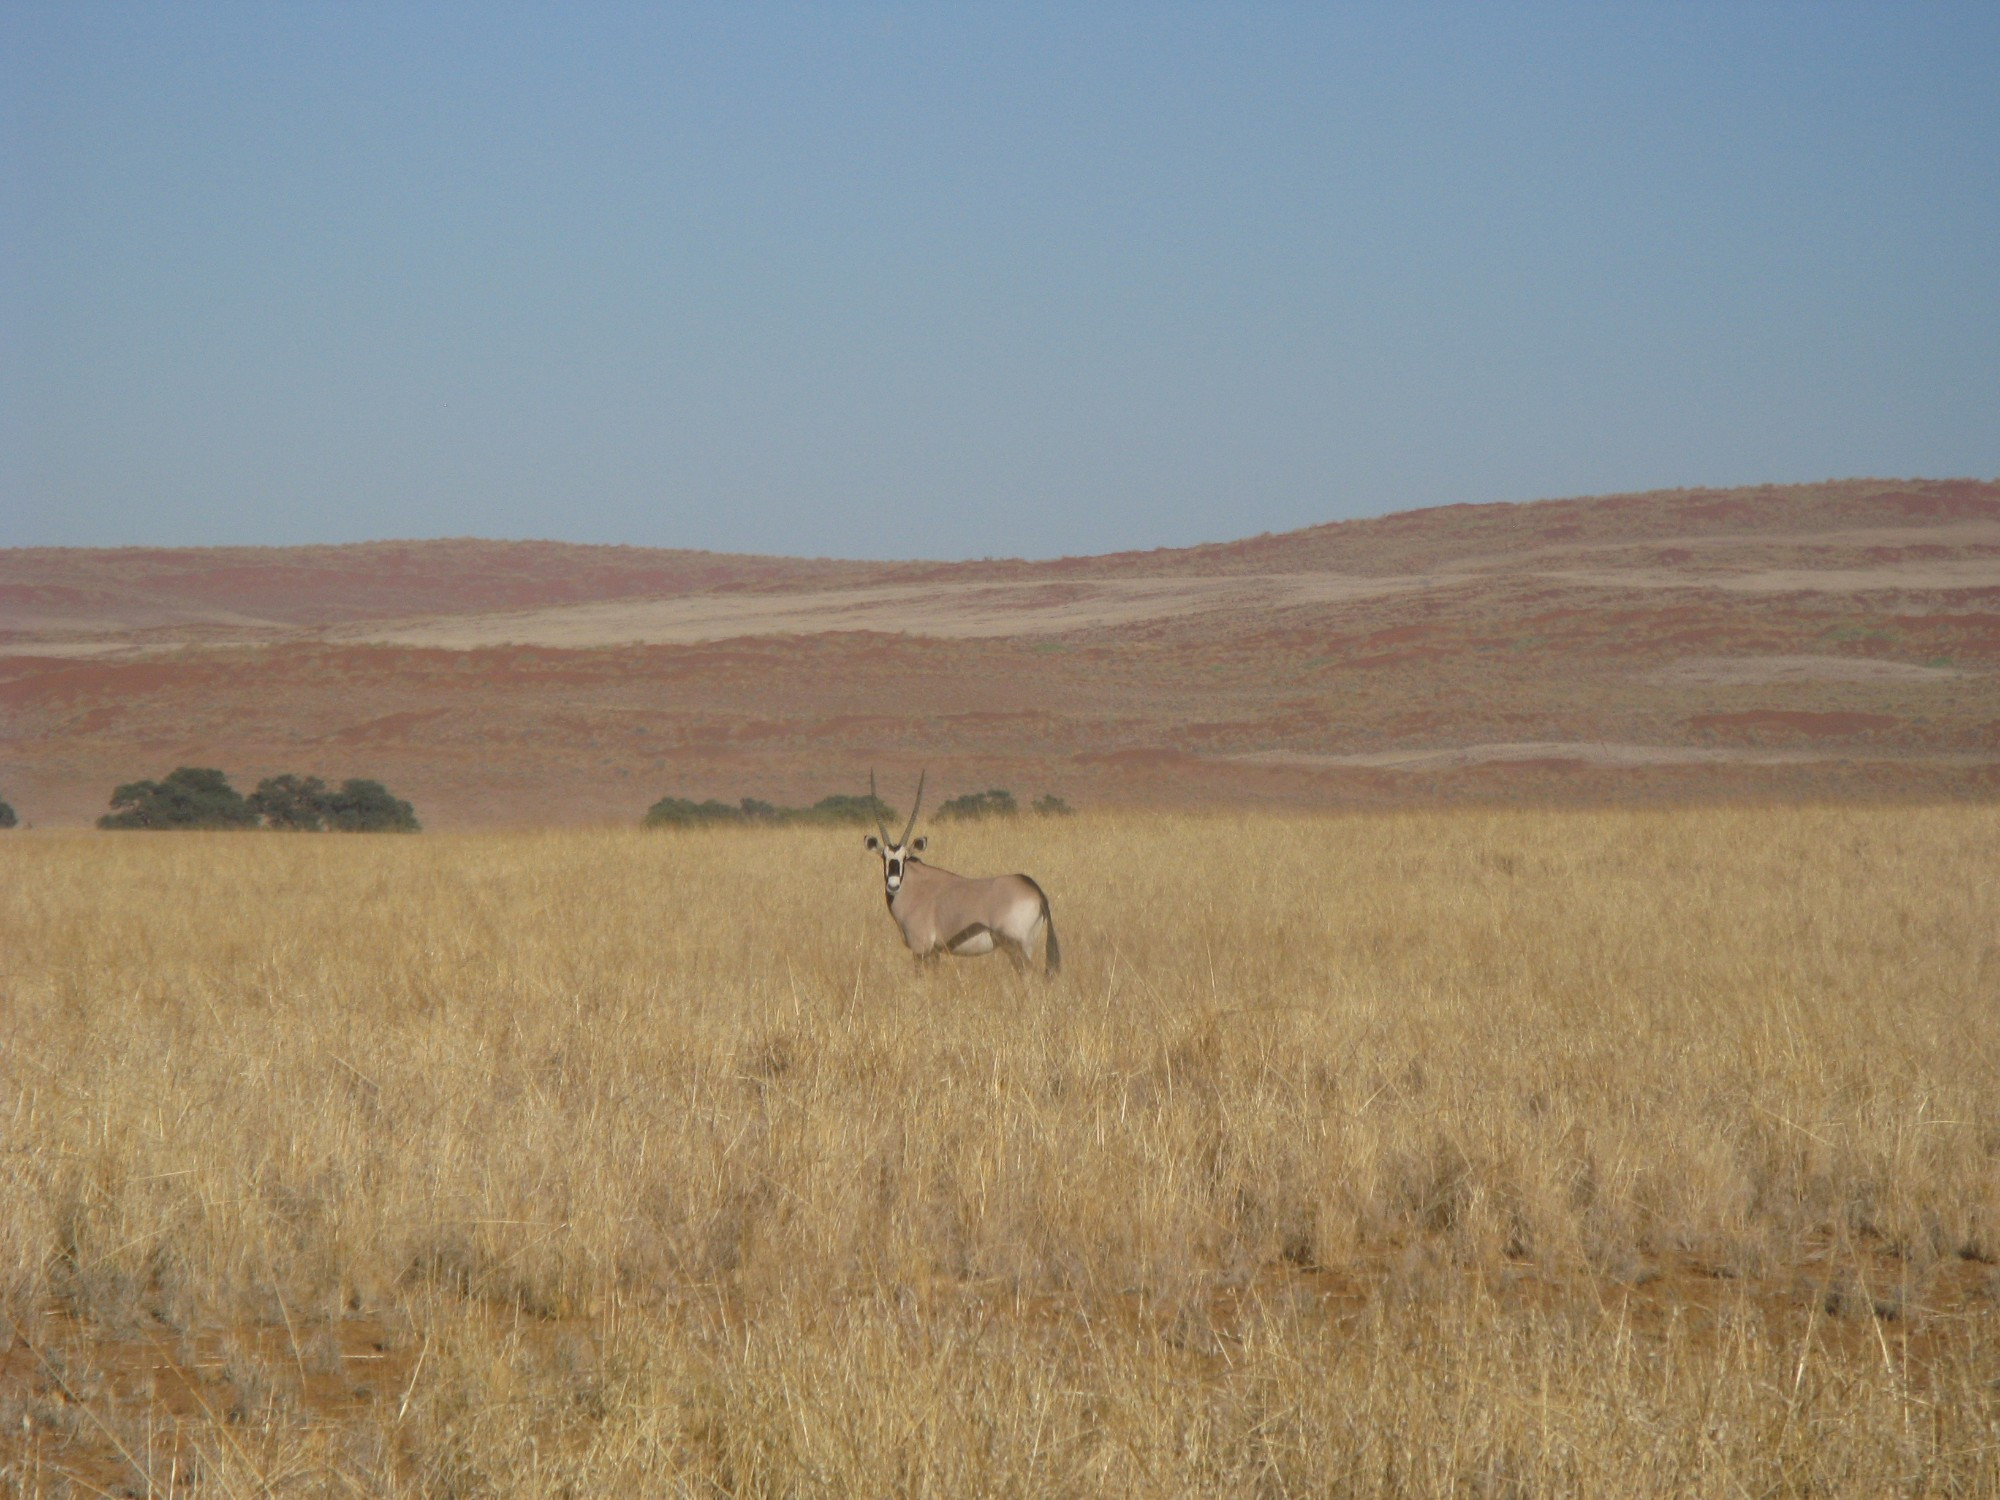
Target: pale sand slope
973 605
1943 575
983 607
1037 608
1755 671
931 609
1594 753
1967 534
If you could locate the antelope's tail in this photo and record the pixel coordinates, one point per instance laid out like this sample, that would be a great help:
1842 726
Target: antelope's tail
1052 955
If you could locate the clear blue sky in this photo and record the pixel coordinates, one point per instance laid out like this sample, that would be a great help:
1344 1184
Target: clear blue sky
955 281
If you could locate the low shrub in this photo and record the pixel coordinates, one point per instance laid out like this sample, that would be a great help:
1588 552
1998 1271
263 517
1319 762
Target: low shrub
7 818
1049 805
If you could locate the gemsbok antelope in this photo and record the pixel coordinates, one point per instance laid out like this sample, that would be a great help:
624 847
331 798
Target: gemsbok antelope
942 912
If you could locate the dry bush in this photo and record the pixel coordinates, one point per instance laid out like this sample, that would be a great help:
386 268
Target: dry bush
1483 1153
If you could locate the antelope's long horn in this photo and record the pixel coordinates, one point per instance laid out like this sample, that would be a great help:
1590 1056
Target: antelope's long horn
875 806
915 805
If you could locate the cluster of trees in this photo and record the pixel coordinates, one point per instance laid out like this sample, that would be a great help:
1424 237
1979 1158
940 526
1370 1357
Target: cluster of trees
998 802
199 797
7 818
681 812
308 805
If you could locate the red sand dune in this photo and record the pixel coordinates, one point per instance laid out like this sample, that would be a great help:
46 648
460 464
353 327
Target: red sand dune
1817 640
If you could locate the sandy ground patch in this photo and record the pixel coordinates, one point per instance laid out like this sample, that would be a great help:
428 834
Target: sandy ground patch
65 650
986 609
1926 576
1969 534
945 610
1048 601
1947 534
1593 752
1749 671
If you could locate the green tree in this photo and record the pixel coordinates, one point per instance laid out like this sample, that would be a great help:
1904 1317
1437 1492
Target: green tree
683 812
7 818
679 812
996 802
291 802
189 797
1049 805
843 807
367 807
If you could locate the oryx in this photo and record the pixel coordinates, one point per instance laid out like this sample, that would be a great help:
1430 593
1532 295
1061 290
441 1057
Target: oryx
942 912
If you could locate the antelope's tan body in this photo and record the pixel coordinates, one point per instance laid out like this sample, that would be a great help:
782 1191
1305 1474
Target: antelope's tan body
940 912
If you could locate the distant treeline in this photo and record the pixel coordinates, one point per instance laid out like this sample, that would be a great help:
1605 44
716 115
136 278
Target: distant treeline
199 797
998 802
681 812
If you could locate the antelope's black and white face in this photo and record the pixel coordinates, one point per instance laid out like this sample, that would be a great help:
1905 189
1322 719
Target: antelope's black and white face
897 856
894 858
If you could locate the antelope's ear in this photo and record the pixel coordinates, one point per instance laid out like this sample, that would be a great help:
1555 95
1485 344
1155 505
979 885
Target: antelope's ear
872 842
918 846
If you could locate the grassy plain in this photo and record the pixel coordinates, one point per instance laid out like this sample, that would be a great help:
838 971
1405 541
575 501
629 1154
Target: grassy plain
1486 1153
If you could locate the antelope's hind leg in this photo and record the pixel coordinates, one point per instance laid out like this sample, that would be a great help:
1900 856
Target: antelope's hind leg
974 940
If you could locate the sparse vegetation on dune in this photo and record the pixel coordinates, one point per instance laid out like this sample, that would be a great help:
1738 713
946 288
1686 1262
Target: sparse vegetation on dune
1468 1153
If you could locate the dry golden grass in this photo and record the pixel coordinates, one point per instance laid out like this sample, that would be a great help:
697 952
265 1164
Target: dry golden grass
1469 1153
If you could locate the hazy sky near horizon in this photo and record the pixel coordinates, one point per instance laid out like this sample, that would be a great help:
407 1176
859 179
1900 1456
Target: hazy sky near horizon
956 281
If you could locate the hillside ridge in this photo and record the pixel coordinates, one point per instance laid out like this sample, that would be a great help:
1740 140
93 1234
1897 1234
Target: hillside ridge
1834 640
95 590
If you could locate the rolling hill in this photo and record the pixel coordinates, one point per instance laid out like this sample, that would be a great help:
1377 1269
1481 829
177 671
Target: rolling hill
1831 640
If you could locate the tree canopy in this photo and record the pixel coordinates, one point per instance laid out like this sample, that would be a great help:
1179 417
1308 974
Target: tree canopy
291 802
308 805
995 802
199 797
190 797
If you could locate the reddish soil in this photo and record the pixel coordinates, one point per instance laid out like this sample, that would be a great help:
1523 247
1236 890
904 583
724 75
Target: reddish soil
1811 641
1795 723
355 1371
